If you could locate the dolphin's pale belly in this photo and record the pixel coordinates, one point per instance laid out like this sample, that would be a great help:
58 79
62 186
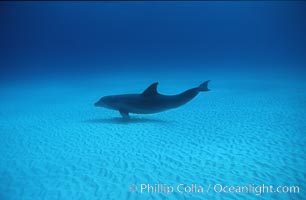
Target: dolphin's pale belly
143 109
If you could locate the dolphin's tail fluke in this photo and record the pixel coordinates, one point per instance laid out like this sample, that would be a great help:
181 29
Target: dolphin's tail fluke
203 87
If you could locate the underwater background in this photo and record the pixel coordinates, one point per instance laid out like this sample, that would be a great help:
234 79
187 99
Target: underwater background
58 58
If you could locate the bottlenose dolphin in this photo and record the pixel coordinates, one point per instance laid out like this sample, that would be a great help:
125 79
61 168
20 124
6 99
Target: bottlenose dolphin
150 101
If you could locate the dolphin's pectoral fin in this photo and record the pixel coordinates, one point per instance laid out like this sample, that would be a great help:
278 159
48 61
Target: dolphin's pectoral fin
124 114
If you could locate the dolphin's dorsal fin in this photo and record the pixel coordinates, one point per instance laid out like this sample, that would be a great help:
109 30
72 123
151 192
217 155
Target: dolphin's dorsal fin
151 90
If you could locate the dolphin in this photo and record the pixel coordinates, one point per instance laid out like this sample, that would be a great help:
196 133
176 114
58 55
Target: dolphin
149 101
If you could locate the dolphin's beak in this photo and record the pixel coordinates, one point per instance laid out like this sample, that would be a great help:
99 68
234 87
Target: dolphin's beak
96 104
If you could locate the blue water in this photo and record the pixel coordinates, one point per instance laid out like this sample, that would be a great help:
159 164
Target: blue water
58 58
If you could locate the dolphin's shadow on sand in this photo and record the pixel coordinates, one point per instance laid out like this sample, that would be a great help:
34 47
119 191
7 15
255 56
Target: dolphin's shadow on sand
120 120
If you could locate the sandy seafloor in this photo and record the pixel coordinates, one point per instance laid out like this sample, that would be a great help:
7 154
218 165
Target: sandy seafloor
56 145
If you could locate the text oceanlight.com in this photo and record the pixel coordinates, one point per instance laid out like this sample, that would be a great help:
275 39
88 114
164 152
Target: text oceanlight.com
215 188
